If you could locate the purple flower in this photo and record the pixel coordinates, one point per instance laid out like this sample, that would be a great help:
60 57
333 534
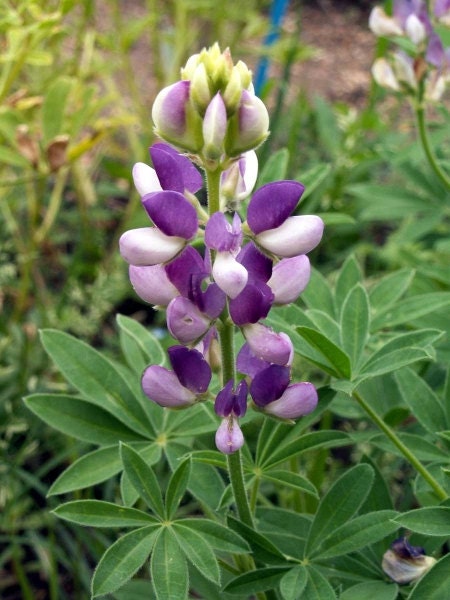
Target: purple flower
276 231
289 278
181 387
185 321
268 345
214 128
149 246
229 402
229 437
152 284
237 182
248 127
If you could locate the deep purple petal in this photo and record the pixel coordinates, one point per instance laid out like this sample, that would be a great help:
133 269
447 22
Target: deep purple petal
257 265
221 235
163 387
272 204
172 213
240 399
181 270
297 400
191 368
175 171
269 384
223 404
249 364
212 301
229 436
252 304
185 322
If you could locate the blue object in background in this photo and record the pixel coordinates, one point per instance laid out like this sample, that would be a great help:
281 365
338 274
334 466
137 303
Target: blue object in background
277 12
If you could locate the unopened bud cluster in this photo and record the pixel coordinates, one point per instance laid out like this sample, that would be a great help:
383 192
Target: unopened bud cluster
247 262
422 64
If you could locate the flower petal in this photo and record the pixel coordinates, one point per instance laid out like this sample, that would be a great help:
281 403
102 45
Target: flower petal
185 266
221 235
163 387
185 322
172 213
252 304
269 384
149 246
191 368
297 235
152 284
268 345
229 436
257 264
289 278
229 275
175 171
299 399
145 179
272 204
249 364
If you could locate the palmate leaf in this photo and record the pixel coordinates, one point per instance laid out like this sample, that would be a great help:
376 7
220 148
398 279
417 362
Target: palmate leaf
370 590
291 480
317 587
293 583
216 535
96 378
435 584
410 308
332 359
389 289
261 546
349 276
121 561
168 568
339 504
97 513
197 551
177 487
430 520
80 419
256 581
355 324
139 346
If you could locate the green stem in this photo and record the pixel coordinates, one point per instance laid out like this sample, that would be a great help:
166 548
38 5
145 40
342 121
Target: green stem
213 187
423 133
413 460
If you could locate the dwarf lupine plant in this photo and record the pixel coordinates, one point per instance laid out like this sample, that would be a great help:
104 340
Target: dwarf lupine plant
249 259
418 66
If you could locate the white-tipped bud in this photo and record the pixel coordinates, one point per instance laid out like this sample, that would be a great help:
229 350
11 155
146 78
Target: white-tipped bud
382 25
384 75
415 29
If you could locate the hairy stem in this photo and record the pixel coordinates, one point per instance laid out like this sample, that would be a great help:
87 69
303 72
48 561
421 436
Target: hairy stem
429 153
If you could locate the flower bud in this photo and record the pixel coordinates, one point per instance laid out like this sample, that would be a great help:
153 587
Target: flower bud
382 25
200 90
229 436
248 127
404 563
415 29
214 128
384 75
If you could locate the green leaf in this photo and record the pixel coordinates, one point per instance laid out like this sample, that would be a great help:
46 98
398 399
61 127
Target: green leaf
216 535
339 504
355 324
177 487
370 590
293 583
349 276
422 401
387 202
261 546
143 479
197 551
96 378
289 479
389 289
400 351
435 584
410 309
317 587
93 468
139 346
275 168
97 513
324 323
357 533
168 568
80 419
312 178
419 446
122 560
336 362
431 520
253 582
315 439
318 294
53 107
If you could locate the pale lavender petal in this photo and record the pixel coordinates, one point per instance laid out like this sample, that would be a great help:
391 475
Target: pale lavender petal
149 246
185 322
229 436
268 345
272 204
269 384
191 368
229 275
169 109
172 213
299 399
435 53
163 387
214 127
289 278
145 179
175 171
152 284
297 235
